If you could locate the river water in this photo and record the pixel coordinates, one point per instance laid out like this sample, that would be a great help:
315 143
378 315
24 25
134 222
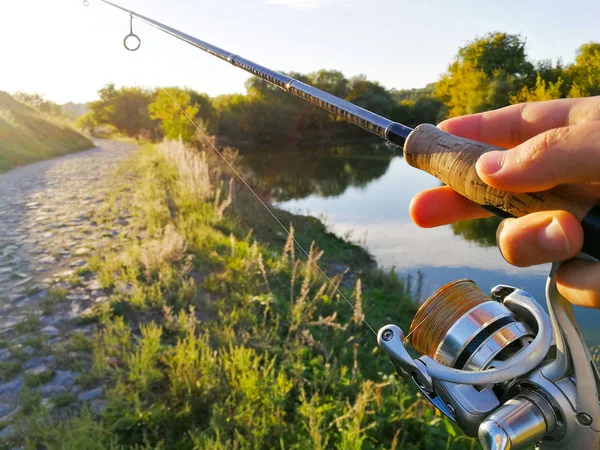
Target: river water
364 191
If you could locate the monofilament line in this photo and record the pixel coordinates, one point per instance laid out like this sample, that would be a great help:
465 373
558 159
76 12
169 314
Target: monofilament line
214 147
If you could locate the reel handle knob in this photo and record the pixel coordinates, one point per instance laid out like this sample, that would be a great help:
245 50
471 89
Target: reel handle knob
515 425
452 160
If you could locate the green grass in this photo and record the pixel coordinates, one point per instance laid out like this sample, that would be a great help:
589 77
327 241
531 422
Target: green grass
55 296
226 337
26 136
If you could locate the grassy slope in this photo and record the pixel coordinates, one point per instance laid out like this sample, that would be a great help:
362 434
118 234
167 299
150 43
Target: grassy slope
26 136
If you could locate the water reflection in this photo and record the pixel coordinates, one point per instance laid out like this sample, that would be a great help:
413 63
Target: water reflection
365 192
294 173
481 232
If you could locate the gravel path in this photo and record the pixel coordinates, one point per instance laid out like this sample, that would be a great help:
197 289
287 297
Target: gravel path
47 229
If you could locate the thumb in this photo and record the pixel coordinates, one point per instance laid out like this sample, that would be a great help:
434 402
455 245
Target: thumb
557 156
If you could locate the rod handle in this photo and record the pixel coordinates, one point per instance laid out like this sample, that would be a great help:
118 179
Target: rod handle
452 159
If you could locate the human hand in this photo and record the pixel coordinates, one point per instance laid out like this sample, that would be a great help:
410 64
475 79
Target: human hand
551 143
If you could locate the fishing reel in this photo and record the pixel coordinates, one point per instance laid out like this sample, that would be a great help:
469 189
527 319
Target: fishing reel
502 368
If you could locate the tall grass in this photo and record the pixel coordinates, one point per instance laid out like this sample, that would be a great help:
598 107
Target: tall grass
227 341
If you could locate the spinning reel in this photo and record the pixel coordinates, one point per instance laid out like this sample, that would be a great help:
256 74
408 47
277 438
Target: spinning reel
502 368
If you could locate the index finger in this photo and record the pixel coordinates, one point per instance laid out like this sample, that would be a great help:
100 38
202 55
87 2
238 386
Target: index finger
510 126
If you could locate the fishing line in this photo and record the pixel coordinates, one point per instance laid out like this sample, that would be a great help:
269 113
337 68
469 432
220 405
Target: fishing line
289 234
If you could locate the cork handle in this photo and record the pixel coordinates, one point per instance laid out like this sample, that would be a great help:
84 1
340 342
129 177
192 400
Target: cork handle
452 160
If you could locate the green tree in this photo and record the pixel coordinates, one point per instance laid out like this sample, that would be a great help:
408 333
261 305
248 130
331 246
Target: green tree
126 109
87 122
543 90
484 74
38 102
585 72
173 122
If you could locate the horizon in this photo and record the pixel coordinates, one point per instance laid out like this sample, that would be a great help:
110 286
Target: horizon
79 49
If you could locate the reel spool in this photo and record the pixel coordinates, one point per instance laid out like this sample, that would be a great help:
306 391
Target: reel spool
461 327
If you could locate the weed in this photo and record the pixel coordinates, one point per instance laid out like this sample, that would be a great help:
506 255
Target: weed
30 324
55 296
29 400
63 399
37 379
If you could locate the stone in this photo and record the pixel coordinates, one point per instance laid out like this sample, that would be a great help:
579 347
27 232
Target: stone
38 360
101 299
28 351
50 331
50 320
66 273
82 251
11 387
4 355
47 260
97 406
90 395
8 432
94 285
37 369
63 380
5 410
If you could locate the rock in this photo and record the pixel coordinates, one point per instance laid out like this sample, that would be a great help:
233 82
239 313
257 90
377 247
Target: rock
63 380
4 355
12 387
66 273
9 432
50 331
50 320
79 263
82 251
90 395
38 360
28 351
5 410
101 299
37 369
94 285
97 406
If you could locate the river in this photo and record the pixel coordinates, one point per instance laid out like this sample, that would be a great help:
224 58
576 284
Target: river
363 192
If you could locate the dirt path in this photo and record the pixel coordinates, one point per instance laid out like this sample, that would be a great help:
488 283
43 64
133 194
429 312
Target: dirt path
47 228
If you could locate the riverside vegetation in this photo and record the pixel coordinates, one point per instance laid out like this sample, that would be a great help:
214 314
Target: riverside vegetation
216 336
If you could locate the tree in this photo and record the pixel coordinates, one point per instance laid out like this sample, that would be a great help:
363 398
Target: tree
585 72
87 123
173 122
543 91
126 109
38 102
484 74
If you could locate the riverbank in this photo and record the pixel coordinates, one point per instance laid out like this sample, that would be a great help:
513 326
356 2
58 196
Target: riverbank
212 331
27 136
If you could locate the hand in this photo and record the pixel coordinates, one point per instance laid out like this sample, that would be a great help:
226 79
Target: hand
551 143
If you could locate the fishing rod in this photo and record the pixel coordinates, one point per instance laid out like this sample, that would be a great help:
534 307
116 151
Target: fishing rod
498 366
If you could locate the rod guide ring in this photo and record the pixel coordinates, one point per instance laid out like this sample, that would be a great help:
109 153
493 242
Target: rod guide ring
132 42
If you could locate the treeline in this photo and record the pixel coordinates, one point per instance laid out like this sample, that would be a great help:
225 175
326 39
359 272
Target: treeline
488 73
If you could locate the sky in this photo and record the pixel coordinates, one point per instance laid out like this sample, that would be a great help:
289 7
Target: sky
66 52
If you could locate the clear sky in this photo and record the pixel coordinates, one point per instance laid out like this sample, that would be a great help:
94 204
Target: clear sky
66 51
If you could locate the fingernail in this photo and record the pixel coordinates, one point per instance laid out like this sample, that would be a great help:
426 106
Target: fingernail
491 162
554 239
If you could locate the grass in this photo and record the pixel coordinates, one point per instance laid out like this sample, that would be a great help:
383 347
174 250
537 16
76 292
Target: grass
221 334
26 136
55 296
